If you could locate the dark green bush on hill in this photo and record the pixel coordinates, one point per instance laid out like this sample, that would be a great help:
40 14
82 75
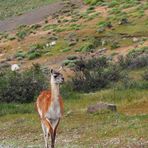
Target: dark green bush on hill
93 2
93 74
21 87
145 75
137 58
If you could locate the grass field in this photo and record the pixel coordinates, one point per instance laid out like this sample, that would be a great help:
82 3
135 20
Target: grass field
126 127
19 123
10 8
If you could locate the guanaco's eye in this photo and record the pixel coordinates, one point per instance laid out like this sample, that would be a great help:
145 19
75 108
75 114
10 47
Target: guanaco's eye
55 76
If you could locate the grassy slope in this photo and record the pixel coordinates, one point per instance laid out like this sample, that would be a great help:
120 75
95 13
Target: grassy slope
78 128
10 8
84 27
128 127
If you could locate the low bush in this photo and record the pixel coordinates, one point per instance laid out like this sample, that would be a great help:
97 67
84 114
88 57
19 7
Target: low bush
21 35
137 58
93 74
72 57
90 45
93 2
87 47
35 51
139 62
115 45
21 87
33 55
113 3
20 54
145 75
23 31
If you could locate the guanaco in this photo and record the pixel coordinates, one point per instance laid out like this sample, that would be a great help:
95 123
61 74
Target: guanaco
49 105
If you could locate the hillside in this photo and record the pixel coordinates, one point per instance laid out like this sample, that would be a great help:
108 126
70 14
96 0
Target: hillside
10 8
80 25
103 47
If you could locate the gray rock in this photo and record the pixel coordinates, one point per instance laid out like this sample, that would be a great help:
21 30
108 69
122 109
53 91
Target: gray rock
101 107
100 30
135 39
123 21
53 38
102 50
20 58
72 39
72 43
4 65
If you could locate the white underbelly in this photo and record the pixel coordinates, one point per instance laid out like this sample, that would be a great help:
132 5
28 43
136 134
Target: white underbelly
54 111
54 114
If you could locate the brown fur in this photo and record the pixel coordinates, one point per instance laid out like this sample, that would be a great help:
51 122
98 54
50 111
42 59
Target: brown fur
44 101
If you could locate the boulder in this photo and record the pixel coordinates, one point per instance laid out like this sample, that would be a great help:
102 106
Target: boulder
72 39
15 67
135 39
100 30
53 43
101 107
102 50
72 43
123 21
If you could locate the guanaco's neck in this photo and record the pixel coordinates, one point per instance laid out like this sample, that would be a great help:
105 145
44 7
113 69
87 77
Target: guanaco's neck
55 92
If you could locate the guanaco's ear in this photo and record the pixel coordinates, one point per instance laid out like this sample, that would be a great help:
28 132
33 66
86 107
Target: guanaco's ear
60 69
51 71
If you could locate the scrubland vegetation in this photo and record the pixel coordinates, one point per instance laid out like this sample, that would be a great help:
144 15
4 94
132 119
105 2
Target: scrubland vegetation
10 8
105 46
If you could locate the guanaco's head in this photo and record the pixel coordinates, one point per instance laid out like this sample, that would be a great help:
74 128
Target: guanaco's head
56 77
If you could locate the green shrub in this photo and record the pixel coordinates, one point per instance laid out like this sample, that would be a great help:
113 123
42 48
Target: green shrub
91 8
20 54
93 2
138 62
21 87
21 34
137 58
115 11
49 26
66 62
87 47
36 47
23 31
72 57
74 27
65 50
35 26
11 37
94 74
104 24
115 45
113 3
33 55
36 51
145 75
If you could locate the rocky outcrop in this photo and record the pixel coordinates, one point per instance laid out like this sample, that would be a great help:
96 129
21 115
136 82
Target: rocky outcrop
101 107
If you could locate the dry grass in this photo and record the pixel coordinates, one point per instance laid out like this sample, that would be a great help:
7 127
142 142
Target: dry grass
80 129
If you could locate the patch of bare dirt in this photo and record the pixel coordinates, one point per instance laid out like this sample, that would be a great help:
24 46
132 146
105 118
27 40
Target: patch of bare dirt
102 10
